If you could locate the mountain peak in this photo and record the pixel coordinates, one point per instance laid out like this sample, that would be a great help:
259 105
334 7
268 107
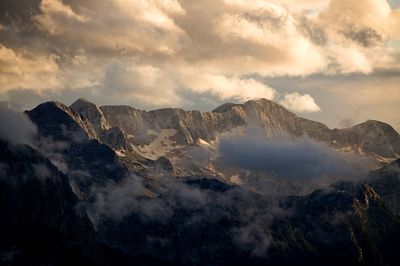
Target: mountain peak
378 125
267 104
54 116
81 102
371 136
261 101
371 122
227 107
47 106
91 112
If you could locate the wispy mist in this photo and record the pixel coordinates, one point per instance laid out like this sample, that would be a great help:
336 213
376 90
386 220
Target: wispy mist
15 127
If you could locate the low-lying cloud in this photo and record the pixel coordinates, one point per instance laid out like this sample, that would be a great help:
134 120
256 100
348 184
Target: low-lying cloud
293 159
15 127
246 216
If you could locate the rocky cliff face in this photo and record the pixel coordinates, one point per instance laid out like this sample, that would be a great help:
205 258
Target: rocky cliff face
193 125
188 127
112 136
72 143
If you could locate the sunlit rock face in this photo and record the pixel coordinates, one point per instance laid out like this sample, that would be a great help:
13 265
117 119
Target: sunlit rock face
178 128
192 125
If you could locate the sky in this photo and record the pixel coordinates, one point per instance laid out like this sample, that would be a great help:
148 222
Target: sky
334 61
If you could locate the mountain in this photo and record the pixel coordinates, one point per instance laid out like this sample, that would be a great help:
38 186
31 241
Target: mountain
174 142
40 223
187 142
231 226
371 137
350 224
202 222
179 127
386 182
71 142
118 185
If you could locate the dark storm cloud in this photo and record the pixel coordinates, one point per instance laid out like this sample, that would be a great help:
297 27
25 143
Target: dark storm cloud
18 9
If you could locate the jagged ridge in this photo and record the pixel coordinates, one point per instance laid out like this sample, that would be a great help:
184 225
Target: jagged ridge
139 127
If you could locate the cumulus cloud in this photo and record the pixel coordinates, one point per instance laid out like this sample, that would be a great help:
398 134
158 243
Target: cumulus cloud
19 70
142 83
300 103
163 51
278 45
53 10
114 26
225 87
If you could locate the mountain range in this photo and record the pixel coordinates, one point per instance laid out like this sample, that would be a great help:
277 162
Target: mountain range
244 184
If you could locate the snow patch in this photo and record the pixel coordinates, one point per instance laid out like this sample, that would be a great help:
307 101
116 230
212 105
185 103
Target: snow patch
161 146
201 141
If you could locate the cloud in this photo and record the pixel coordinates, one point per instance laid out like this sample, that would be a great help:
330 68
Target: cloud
277 45
164 51
299 5
145 84
225 87
19 70
53 11
246 216
16 127
150 86
364 36
287 158
115 200
300 103
114 26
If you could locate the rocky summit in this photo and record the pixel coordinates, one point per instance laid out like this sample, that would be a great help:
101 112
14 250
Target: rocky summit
244 184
